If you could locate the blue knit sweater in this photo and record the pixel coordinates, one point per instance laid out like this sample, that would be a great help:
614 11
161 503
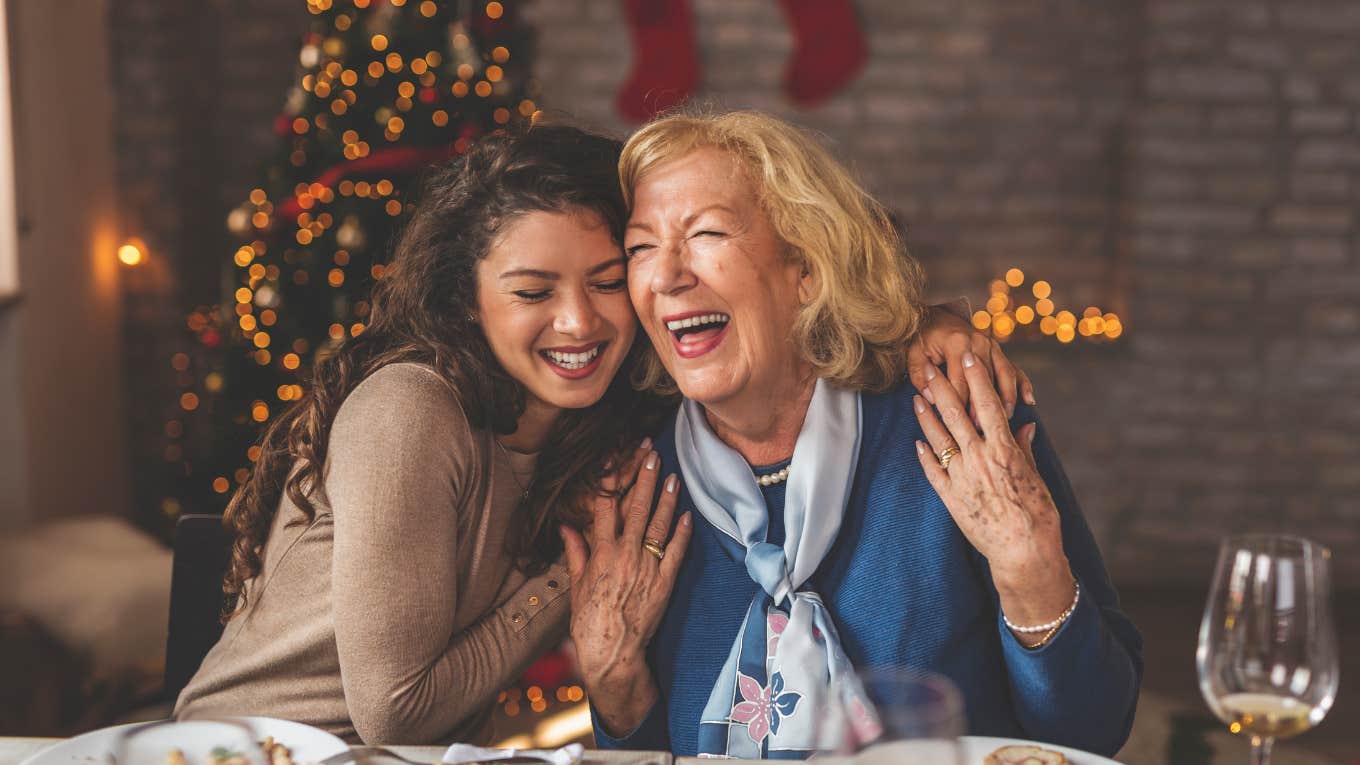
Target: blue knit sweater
907 590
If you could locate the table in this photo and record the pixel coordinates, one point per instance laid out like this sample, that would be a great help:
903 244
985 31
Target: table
15 750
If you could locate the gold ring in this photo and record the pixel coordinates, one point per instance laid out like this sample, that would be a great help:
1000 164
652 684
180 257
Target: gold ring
947 455
654 548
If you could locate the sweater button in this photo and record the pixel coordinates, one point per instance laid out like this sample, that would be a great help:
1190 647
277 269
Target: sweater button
552 584
533 600
517 617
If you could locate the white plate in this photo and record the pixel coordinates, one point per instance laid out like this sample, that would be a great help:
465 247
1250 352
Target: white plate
971 750
196 738
977 747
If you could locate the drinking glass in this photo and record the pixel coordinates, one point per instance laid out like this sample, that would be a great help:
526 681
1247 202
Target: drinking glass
913 716
1267 653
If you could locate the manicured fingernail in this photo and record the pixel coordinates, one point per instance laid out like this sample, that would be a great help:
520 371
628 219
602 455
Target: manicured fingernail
1032 432
920 406
920 449
646 443
1029 398
651 461
685 520
968 359
930 372
929 396
1010 410
671 482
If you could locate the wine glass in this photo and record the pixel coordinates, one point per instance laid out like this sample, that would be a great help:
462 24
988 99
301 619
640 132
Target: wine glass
1267 653
898 715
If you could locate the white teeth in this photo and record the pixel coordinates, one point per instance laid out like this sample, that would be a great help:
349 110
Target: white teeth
573 360
695 321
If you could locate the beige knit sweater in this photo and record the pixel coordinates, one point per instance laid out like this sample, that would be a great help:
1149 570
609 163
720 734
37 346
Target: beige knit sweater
396 615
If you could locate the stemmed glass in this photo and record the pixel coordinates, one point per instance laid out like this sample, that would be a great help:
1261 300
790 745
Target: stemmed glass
1267 653
913 716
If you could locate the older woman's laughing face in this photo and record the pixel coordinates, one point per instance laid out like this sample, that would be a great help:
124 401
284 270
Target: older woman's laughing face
712 282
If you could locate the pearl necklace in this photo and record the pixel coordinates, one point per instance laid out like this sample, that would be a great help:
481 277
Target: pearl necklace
779 476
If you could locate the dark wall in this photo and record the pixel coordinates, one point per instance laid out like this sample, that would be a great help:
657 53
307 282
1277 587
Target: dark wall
197 86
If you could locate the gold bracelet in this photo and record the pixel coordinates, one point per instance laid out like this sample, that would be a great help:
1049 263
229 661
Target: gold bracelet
1043 641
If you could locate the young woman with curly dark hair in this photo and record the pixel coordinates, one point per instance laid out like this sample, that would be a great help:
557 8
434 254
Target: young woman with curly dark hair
393 560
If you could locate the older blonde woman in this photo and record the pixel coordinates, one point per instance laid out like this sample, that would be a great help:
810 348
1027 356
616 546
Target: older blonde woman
825 534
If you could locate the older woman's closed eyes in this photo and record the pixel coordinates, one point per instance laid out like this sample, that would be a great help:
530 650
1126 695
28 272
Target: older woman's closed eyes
835 521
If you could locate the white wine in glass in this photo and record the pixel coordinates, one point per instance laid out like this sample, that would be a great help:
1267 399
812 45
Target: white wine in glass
1267 649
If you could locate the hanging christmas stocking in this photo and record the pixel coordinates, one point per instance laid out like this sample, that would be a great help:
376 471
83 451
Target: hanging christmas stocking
829 49
665 60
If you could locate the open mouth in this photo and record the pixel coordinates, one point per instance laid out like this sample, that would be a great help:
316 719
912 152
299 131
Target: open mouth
573 364
697 334
696 329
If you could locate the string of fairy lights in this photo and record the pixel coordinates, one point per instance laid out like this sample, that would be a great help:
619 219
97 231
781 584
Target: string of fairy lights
1010 313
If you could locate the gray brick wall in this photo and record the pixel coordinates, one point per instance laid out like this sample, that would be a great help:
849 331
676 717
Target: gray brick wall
1191 164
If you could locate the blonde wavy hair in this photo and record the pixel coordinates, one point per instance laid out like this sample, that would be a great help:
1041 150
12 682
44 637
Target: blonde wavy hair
866 304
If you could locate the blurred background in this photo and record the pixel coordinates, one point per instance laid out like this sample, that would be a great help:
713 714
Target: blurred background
1155 204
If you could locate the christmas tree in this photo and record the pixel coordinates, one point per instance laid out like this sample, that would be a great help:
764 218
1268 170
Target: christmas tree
385 89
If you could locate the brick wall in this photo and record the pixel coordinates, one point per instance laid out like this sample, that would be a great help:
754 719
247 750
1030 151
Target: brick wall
1243 242
1191 164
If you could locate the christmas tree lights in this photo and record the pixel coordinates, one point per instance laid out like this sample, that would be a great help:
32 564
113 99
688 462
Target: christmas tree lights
384 90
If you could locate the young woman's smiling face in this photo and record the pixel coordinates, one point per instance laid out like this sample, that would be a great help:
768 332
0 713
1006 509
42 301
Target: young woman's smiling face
552 301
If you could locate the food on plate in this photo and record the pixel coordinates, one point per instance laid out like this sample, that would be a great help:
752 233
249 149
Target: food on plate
274 754
221 755
1024 755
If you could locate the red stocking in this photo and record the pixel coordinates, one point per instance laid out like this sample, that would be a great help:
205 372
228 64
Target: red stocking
665 60
829 49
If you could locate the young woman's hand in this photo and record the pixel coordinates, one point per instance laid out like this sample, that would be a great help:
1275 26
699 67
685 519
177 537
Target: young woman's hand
988 480
621 582
943 341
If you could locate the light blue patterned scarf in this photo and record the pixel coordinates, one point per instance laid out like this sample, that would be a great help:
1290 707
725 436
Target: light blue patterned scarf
787 659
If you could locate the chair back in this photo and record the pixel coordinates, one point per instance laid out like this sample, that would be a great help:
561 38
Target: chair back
202 550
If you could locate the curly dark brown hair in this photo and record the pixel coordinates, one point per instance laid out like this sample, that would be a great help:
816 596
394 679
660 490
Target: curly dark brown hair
423 312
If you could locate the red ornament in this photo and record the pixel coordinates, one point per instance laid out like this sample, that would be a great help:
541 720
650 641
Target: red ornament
550 671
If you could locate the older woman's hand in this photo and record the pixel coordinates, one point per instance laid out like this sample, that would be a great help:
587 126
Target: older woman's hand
944 339
993 489
620 588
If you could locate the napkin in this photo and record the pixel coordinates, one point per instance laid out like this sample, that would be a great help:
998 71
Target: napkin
458 754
